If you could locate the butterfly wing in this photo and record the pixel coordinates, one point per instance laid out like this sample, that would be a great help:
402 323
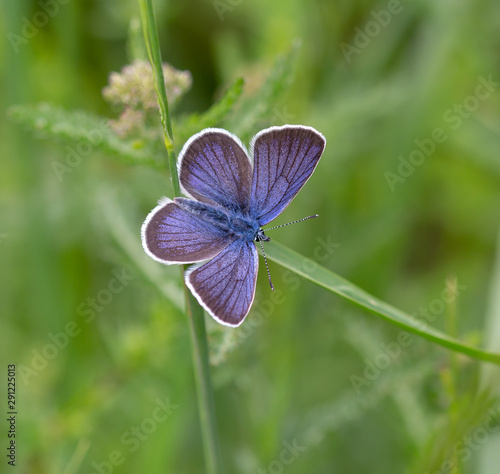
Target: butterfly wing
214 168
284 159
175 234
225 286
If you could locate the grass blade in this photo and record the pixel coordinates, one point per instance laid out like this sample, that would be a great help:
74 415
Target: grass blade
154 54
194 311
336 284
206 407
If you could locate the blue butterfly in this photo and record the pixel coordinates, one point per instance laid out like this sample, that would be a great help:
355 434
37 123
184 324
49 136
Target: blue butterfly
230 199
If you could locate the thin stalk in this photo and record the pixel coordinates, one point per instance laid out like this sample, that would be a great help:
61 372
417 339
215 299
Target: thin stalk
206 408
154 54
451 323
194 311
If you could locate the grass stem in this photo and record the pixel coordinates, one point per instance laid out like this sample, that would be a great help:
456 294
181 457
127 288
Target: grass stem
204 386
154 54
193 309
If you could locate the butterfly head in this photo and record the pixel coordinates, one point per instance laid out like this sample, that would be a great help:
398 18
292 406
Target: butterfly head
261 237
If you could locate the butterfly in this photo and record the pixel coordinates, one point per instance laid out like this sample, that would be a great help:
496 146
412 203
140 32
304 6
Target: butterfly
231 193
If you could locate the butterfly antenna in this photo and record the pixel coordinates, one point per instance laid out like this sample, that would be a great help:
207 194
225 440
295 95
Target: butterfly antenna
293 222
267 267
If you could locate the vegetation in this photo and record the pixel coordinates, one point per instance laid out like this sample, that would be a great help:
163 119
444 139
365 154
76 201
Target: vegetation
407 95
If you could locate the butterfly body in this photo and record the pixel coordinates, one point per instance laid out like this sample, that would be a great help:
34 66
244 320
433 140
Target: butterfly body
231 195
236 223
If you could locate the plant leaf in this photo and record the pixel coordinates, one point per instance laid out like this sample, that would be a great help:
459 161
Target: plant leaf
336 284
468 414
80 127
213 116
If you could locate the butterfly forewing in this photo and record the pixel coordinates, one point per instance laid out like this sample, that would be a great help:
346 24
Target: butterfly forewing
284 159
214 168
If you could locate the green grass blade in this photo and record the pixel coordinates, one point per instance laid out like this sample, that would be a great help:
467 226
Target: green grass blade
154 54
490 376
208 419
336 284
194 311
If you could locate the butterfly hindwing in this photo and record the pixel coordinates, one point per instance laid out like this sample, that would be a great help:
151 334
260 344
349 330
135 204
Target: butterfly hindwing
225 286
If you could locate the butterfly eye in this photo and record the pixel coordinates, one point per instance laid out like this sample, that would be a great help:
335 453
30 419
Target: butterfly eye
261 237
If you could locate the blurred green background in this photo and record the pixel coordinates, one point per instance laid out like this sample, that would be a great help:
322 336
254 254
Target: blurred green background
374 78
